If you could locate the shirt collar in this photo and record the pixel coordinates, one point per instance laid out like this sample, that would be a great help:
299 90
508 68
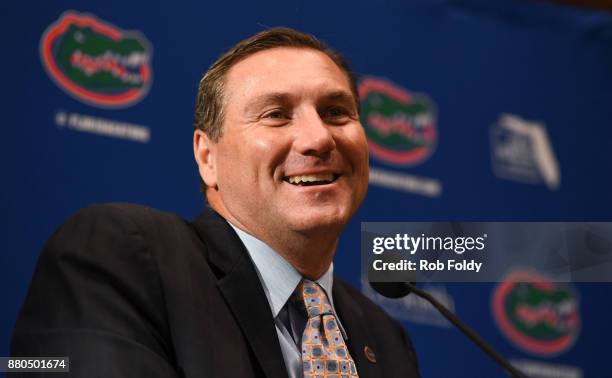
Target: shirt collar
278 277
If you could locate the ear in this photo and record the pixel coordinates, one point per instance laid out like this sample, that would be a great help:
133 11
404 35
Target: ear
205 151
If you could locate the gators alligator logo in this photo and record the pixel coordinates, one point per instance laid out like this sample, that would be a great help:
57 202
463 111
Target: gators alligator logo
400 126
535 314
97 62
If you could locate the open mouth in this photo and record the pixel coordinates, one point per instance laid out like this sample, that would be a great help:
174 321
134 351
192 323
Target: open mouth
311 180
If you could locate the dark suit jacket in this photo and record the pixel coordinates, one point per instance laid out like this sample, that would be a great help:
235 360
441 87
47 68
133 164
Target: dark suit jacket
128 291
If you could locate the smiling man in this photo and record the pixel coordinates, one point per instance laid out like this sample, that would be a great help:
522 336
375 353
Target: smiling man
291 166
247 289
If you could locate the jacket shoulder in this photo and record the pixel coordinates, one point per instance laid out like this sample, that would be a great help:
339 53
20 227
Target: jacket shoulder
97 288
130 212
126 219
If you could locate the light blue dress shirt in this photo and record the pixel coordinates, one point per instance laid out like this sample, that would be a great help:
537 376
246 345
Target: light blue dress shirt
279 280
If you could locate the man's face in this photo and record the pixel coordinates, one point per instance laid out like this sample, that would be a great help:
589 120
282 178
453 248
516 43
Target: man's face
293 155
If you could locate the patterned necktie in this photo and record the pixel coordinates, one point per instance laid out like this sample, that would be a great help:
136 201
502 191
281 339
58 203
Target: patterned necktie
324 353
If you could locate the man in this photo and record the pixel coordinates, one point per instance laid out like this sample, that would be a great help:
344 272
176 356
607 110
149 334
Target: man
247 289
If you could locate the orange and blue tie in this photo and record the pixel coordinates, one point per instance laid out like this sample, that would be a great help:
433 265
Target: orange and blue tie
324 352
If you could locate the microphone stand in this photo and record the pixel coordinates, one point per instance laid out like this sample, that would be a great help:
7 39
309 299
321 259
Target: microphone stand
466 330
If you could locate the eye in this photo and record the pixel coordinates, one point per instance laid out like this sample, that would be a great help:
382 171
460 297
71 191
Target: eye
336 115
276 114
275 117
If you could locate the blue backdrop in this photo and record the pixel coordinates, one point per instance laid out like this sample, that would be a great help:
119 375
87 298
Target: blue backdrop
474 110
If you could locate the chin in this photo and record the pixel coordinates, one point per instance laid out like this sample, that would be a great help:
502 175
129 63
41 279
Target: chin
328 221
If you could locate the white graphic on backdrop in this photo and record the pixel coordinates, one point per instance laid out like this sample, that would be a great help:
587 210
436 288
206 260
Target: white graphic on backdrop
102 126
521 151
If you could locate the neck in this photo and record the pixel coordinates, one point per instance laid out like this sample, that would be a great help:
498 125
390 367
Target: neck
309 256
310 252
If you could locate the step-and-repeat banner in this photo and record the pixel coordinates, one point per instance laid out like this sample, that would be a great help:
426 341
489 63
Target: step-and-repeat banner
474 111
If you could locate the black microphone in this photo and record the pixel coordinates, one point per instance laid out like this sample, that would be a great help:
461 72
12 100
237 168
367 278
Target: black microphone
401 289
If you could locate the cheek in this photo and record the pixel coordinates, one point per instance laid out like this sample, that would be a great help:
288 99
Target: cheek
269 148
234 170
355 151
355 144
252 158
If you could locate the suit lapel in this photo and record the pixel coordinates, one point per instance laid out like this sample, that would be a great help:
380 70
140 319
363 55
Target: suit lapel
242 289
357 330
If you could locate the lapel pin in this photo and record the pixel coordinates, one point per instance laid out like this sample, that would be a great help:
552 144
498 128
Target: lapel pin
369 353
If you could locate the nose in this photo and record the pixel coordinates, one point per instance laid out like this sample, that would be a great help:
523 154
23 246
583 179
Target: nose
313 137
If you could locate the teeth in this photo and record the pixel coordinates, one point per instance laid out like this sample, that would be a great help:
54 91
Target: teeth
329 177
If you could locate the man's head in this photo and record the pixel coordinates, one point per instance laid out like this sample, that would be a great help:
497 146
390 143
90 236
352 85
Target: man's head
278 140
209 113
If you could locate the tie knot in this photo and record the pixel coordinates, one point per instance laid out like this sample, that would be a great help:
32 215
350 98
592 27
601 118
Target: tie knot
315 299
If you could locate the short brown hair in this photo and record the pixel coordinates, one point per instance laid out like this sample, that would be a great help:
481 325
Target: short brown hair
209 112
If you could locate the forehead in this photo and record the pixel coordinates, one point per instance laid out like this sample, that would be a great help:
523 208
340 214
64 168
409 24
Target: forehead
285 69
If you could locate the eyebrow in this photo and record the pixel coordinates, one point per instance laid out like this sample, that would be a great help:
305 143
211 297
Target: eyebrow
268 99
285 98
340 96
